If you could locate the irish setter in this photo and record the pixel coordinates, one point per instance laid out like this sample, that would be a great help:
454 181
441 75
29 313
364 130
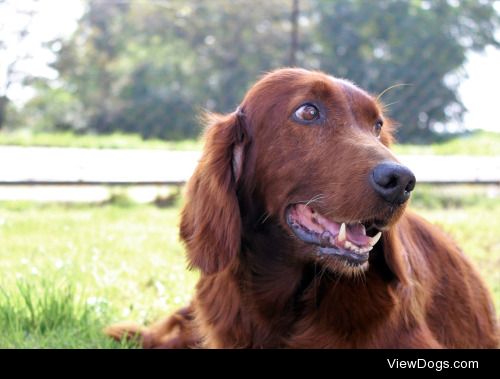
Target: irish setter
296 218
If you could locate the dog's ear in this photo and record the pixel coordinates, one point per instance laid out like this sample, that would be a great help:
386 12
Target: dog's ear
211 221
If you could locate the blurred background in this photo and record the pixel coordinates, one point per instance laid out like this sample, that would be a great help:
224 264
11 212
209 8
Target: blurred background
99 102
149 67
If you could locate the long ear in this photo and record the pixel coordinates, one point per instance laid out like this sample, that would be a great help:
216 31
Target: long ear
211 222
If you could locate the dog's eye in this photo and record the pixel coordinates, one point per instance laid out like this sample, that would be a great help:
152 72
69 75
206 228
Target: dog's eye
307 113
377 128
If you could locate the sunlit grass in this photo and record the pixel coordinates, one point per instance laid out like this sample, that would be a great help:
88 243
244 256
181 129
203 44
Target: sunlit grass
83 266
43 314
479 142
474 143
111 141
127 261
472 220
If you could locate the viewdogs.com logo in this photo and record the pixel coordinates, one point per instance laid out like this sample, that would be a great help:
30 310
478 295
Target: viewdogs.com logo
430 364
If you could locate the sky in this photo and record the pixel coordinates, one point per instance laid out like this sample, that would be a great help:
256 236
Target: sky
56 18
480 91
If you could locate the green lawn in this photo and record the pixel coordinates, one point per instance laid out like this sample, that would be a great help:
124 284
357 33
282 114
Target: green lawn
111 141
472 219
68 270
110 262
475 143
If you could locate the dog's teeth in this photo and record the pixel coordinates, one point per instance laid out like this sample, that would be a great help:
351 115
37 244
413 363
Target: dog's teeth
349 245
366 249
375 239
342 236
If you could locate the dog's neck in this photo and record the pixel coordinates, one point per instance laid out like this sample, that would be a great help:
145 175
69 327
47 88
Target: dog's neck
284 288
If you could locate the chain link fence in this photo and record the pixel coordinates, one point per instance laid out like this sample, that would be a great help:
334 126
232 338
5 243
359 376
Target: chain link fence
151 67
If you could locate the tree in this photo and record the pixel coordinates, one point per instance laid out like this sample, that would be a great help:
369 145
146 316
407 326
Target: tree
12 36
86 62
420 44
152 67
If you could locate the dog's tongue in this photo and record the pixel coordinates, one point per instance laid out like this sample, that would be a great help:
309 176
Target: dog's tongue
356 233
341 235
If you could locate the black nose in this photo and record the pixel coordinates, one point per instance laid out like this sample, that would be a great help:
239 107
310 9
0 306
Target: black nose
393 182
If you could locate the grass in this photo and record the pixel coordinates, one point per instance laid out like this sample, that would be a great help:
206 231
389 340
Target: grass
472 219
111 141
473 143
479 142
67 270
46 315
119 261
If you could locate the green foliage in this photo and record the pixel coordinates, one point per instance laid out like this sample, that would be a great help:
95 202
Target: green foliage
151 67
110 263
480 143
419 44
439 198
472 143
117 140
472 219
40 314
86 266
57 110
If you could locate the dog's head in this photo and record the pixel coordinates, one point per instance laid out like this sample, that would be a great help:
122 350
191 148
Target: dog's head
312 150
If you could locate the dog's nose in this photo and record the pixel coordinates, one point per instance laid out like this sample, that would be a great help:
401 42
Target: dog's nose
393 182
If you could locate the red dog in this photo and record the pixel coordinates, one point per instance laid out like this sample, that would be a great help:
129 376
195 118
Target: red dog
296 218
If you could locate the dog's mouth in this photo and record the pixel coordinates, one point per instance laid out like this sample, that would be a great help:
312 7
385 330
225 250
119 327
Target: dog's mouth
351 242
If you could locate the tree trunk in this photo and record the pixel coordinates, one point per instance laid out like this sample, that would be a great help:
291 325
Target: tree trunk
4 100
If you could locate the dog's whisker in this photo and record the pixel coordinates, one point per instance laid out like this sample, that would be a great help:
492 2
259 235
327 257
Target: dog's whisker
390 104
315 199
390 88
265 216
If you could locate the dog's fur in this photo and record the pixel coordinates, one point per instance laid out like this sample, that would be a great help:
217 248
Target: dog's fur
261 286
